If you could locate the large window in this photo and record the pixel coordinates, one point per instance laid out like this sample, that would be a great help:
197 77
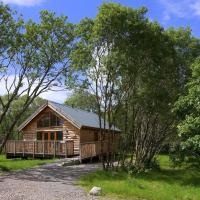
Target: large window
49 119
58 135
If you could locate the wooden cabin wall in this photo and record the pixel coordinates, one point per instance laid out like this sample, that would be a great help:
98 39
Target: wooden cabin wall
69 130
29 132
88 135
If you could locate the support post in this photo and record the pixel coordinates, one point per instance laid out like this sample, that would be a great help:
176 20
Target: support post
54 149
80 153
6 148
23 148
43 148
33 149
65 149
14 148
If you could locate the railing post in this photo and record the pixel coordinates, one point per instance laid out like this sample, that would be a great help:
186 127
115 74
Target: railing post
80 152
33 149
43 148
6 148
65 149
48 145
14 148
23 148
54 149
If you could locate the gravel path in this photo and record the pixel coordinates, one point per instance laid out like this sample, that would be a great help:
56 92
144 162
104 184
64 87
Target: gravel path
49 182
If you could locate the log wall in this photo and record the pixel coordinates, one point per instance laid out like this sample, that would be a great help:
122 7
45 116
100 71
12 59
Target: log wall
86 140
70 132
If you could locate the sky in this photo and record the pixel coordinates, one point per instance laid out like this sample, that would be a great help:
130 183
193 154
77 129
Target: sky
168 13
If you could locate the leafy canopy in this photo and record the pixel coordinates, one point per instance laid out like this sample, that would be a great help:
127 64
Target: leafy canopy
188 110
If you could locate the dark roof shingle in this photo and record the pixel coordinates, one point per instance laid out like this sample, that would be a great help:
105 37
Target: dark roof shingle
80 117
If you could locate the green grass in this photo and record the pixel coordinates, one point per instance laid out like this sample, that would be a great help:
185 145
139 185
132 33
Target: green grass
7 165
167 184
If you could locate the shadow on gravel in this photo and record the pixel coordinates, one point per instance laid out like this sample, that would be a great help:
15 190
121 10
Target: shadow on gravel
52 173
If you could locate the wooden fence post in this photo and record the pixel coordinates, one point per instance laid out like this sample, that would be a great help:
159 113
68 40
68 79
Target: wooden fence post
23 148
66 149
54 149
33 149
43 148
80 152
14 148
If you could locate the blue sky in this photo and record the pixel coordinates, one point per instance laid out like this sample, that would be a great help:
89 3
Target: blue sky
174 13
168 12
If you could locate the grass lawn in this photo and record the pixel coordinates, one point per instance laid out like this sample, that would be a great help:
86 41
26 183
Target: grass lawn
15 164
167 184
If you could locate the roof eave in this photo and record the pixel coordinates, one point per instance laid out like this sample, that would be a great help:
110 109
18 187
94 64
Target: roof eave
40 109
26 122
115 130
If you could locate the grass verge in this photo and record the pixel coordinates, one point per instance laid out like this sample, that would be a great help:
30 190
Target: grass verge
166 184
7 165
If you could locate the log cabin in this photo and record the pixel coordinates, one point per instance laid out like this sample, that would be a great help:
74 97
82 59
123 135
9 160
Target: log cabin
57 130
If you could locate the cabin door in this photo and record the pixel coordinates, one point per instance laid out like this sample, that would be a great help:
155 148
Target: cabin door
49 138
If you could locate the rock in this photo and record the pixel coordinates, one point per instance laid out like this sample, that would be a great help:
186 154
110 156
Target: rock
61 164
96 191
141 187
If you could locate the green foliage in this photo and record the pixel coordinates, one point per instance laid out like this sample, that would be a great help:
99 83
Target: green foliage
167 184
36 55
13 111
83 100
10 37
138 65
188 110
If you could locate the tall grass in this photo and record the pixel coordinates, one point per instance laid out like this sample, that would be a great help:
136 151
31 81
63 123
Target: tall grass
166 184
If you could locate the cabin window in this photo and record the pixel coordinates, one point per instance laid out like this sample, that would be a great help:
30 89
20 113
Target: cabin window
49 119
39 135
58 135
46 136
52 136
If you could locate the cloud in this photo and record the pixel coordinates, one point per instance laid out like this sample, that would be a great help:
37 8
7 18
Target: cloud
23 2
56 94
181 9
196 8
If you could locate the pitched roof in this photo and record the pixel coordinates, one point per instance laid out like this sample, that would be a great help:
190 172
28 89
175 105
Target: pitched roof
78 117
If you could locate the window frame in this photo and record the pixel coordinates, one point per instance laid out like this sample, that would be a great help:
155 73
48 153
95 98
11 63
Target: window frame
50 116
48 135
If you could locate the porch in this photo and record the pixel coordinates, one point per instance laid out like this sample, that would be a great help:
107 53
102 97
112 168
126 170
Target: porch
39 149
50 149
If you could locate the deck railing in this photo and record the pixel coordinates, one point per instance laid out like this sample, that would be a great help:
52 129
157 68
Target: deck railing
39 148
92 149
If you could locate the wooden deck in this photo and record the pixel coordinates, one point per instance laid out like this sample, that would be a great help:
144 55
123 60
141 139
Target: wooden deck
47 149
20 148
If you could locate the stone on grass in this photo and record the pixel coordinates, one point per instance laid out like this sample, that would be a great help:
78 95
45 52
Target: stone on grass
141 187
96 191
61 164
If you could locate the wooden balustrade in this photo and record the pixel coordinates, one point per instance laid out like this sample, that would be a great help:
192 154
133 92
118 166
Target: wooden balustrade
92 149
20 148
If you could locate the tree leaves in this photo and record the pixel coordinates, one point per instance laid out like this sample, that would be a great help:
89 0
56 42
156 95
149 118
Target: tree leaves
188 109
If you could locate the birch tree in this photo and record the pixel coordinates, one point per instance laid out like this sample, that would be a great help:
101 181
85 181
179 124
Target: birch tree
36 66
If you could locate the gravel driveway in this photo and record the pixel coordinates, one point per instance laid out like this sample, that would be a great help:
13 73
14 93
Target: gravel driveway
49 182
